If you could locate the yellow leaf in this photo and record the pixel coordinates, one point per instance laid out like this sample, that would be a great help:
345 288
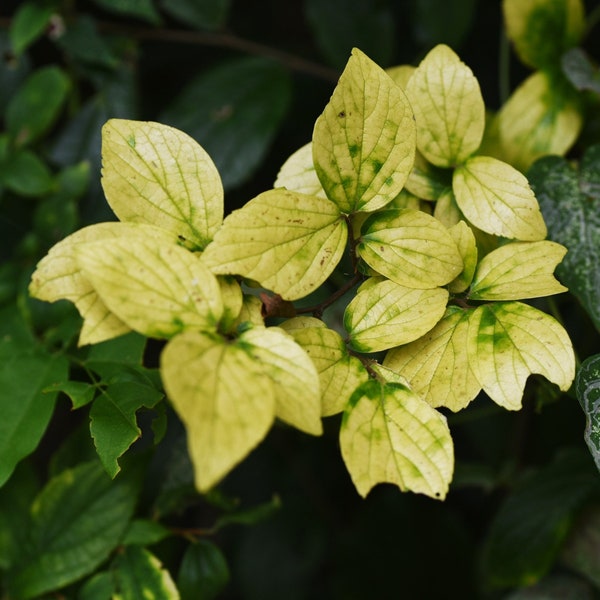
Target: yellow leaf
400 74
389 434
233 301
426 181
410 247
448 107
517 271
289 242
385 314
155 174
466 243
223 397
157 288
446 210
510 340
497 199
404 200
436 366
298 173
294 375
364 142
250 313
386 375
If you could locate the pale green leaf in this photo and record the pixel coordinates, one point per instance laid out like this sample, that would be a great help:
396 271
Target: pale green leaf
400 74
339 372
298 173
250 313
446 210
159 175
386 375
448 107
427 181
404 200
294 375
517 271
233 301
508 341
497 199
289 242
466 243
410 247
385 314
436 366
364 141
224 398
389 434
156 288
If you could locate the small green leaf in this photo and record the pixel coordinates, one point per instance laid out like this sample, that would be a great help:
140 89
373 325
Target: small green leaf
384 314
389 434
143 9
201 14
79 392
289 242
156 288
465 241
364 141
517 271
410 247
587 387
298 173
26 174
28 24
142 532
203 572
508 341
99 586
497 199
448 106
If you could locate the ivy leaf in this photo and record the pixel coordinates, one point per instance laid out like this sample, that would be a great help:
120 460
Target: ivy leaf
465 241
410 247
508 341
384 314
587 387
364 143
448 107
389 434
299 175
158 175
224 398
497 199
156 288
517 271
436 366
289 242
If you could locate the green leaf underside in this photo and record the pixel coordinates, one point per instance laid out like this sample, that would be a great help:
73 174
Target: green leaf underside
364 143
339 372
508 341
389 434
289 242
587 387
159 175
411 248
448 107
156 288
224 398
517 271
497 199
465 241
384 314
298 173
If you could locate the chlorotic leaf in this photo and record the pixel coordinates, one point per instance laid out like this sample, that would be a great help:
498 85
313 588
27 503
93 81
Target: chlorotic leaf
465 241
517 271
436 365
299 175
410 247
364 141
389 434
427 181
294 375
508 341
156 288
224 398
587 387
250 313
155 174
497 199
233 301
289 242
446 210
386 314
448 106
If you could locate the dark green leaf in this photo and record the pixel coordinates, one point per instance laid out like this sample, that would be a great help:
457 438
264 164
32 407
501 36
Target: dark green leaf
201 14
587 388
98 587
35 107
13 70
77 520
28 24
203 572
555 587
143 9
108 358
250 516
233 111
441 22
79 392
26 174
570 203
142 532
580 70
340 25
15 335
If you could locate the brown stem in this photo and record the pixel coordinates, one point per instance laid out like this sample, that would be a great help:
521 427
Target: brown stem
318 309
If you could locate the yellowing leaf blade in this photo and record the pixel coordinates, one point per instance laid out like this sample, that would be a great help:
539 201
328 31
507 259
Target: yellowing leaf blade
299 175
466 243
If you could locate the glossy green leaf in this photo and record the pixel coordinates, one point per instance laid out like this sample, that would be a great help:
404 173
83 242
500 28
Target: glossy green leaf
436 366
448 107
410 247
298 173
517 271
364 141
389 434
224 398
465 241
289 242
201 14
203 572
497 199
587 387
508 341
26 174
158 175
234 111
143 9
156 288
384 314
28 24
